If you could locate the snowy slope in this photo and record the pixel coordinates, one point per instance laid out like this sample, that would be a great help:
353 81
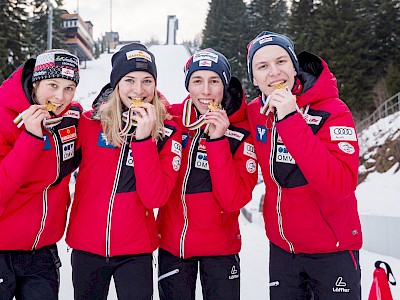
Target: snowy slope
254 254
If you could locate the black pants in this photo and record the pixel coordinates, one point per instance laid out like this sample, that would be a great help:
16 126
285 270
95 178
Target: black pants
30 275
219 276
91 276
325 276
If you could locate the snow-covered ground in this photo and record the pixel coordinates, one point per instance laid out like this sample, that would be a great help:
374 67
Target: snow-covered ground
378 195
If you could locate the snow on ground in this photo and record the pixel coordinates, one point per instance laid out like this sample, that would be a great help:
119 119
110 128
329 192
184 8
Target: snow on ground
378 195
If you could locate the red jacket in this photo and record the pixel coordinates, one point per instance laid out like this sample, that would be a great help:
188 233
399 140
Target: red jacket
34 173
310 167
216 180
117 189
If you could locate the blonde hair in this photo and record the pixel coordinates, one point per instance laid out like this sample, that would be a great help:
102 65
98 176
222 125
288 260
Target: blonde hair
110 115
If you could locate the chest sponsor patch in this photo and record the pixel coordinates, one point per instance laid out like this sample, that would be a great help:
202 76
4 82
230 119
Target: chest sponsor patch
346 147
201 161
168 132
249 150
67 134
129 159
313 120
283 155
72 114
261 134
202 144
185 139
47 144
176 163
102 141
251 165
279 139
342 133
176 148
68 150
234 134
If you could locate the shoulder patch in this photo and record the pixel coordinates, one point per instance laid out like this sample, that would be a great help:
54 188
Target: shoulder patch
249 150
346 147
176 148
234 134
342 133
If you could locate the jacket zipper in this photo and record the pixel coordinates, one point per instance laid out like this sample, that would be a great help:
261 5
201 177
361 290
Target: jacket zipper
112 198
44 197
183 195
279 195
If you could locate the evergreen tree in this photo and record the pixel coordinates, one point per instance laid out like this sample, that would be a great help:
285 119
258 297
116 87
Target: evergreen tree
341 39
384 47
39 26
58 30
225 32
301 28
270 15
13 37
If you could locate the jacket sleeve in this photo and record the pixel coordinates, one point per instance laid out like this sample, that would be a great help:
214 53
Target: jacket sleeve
328 160
14 164
156 173
233 177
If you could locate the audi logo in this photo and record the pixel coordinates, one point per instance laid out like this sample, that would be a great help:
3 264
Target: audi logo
343 131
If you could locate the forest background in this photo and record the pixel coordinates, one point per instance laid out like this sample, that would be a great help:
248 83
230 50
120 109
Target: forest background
359 39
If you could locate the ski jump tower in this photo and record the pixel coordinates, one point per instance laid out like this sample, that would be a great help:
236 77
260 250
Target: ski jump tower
172 26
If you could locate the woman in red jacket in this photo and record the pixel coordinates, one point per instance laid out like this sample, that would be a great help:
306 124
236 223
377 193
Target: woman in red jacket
37 155
307 147
198 227
131 155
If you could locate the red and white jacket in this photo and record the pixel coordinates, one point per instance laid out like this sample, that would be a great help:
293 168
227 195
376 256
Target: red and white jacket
34 173
117 189
216 180
309 162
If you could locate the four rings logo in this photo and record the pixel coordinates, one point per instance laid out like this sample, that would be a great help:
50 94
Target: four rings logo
346 131
342 133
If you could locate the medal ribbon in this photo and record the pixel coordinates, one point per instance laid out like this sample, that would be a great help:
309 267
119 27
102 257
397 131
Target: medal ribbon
187 110
265 110
129 123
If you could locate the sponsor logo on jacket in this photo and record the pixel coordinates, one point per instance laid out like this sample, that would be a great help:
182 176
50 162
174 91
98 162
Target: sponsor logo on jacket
283 155
102 141
201 161
342 133
261 134
249 150
234 134
68 150
67 134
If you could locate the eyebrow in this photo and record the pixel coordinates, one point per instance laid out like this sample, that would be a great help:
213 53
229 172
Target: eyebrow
279 57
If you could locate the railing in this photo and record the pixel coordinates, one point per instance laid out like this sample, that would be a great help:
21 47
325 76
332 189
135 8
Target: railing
387 108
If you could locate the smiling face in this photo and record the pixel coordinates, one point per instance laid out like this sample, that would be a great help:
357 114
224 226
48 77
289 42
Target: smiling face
56 92
205 87
272 65
137 85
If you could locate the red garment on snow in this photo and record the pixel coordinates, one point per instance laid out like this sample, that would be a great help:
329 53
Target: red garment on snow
32 209
216 180
117 189
310 167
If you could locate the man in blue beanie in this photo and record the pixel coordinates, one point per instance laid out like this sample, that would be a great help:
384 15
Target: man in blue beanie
306 143
198 227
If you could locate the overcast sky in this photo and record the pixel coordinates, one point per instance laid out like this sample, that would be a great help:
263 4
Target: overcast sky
142 20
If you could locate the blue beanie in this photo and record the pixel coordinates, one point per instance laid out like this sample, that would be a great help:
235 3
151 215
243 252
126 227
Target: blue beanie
130 58
210 60
267 38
